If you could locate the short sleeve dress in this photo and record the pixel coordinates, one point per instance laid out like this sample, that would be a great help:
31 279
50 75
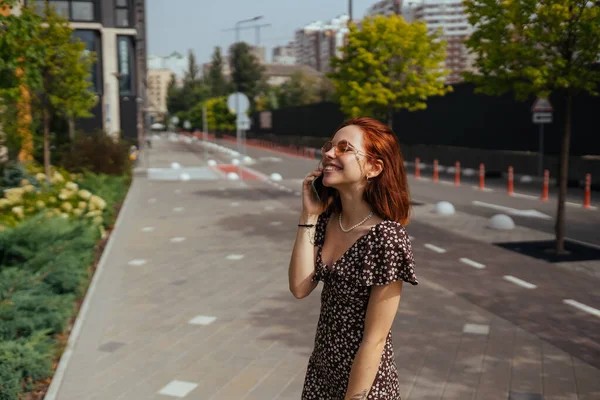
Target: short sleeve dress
381 256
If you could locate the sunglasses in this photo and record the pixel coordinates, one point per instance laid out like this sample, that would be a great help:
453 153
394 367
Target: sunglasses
342 147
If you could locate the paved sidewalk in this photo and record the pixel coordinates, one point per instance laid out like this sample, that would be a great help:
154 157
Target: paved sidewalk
192 300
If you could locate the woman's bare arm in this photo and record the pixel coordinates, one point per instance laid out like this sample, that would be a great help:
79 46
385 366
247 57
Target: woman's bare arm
382 308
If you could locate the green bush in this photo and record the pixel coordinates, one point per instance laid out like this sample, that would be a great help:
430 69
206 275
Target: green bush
23 362
44 268
96 153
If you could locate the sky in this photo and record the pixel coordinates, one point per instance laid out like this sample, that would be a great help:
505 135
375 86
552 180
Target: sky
179 25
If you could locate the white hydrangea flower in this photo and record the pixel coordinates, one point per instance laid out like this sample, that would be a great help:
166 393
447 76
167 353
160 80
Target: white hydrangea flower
78 212
19 211
4 203
82 205
57 177
98 219
52 200
28 188
84 194
40 177
94 213
98 202
72 186
25 182
68 207
40 204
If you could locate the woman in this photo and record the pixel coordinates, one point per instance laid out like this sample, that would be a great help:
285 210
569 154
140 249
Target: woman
352 238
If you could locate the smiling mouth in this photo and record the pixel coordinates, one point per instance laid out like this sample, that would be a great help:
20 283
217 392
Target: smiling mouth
332 168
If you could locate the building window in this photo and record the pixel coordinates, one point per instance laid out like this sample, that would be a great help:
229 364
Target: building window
91 39
125 60
123 12
73 10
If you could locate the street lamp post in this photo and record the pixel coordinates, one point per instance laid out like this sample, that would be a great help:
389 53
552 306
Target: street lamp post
237 26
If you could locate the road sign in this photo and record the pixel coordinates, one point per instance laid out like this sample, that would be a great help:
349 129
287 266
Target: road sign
187 125
542 117
243 122
174 120
542 104
238 103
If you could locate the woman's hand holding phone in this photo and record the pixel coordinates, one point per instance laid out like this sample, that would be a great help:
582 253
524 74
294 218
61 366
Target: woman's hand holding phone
311 205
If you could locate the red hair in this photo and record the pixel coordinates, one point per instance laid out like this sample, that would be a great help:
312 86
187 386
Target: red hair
388 193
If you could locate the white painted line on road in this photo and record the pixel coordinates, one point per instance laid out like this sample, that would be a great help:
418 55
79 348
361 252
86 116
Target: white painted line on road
519 282
234 204
178 389
472 263
582 307
269 208
483 190
435 248
526 196
137 262
177 239
235 257
178 209
148 229
424 178
411 238
446 183
512 211
151 201
276 223
202 320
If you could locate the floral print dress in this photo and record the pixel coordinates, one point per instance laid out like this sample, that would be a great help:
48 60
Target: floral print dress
380 257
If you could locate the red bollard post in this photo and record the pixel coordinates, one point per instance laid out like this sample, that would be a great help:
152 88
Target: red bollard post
587 197
481 176
511 180
546 183
457 174
417 168
436 176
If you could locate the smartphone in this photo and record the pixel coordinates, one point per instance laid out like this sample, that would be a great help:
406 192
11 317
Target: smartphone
317 186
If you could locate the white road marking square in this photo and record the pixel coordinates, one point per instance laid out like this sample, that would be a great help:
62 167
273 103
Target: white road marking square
235 257
435 248
472 263
202 320
137 262
177 239
519 282
476 329
178 389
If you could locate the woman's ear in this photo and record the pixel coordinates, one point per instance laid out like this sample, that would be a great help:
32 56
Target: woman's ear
376 168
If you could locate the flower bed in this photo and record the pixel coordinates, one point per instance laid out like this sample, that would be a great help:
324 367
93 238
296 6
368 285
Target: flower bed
50 236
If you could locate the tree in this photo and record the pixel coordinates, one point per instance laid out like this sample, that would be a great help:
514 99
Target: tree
193 70
73 95
218 85
246 71
389 64
300 89
65 73
534 47
19 68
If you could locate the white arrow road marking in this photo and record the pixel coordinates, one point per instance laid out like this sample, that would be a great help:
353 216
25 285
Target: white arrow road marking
513 211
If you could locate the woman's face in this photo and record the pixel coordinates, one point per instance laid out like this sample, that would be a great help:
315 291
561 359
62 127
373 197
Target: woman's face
343 169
